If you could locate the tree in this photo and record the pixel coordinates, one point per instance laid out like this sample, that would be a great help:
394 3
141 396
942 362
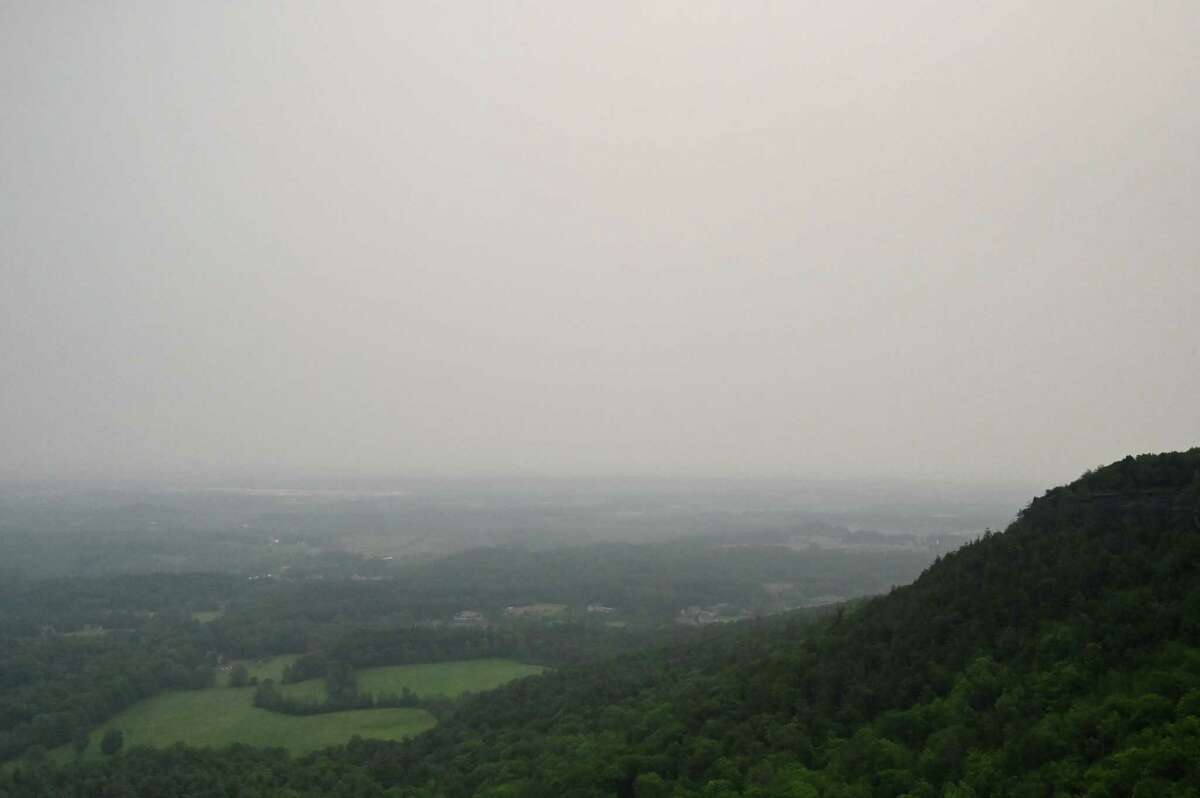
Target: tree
239 676
80 742
36 754
340 682
112 741
650 785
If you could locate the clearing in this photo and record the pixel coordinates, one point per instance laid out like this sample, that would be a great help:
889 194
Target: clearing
220 716
450 679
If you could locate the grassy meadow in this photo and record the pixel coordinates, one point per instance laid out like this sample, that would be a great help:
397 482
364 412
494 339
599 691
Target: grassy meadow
220 716
449 679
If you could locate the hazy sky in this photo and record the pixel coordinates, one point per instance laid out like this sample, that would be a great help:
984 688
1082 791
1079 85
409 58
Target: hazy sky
932 239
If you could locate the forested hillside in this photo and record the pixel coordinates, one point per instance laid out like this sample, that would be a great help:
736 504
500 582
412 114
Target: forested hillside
1060 657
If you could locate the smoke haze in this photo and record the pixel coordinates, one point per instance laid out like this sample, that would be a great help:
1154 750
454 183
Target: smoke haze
928 239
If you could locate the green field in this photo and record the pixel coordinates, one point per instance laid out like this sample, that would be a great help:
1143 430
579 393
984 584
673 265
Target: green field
449 679
221 715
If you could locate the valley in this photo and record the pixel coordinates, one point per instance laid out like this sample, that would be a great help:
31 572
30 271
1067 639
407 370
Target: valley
1060 655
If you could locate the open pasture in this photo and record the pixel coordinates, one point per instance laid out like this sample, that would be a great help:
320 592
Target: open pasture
449 679
222 716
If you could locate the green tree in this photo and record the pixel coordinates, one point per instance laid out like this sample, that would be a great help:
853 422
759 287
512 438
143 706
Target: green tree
650 785
112 741
80 742
239 676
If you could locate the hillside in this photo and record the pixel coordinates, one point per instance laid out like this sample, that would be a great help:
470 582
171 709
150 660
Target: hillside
1059 657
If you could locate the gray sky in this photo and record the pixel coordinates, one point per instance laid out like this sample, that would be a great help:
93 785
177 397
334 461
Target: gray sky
931 239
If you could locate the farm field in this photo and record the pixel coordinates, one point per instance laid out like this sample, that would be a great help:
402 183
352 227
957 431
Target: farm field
449 679
444 678
221 716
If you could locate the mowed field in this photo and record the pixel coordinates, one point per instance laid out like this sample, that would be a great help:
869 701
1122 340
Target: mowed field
223 715
220 716
449 679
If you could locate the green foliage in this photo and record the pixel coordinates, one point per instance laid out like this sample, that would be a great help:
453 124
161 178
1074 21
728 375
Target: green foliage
180 771
52 687
73 653
1053 658
222 716
428 686
80 742
1061 657
239 676
112 741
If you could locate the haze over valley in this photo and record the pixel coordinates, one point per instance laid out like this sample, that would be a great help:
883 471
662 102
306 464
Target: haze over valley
599 400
